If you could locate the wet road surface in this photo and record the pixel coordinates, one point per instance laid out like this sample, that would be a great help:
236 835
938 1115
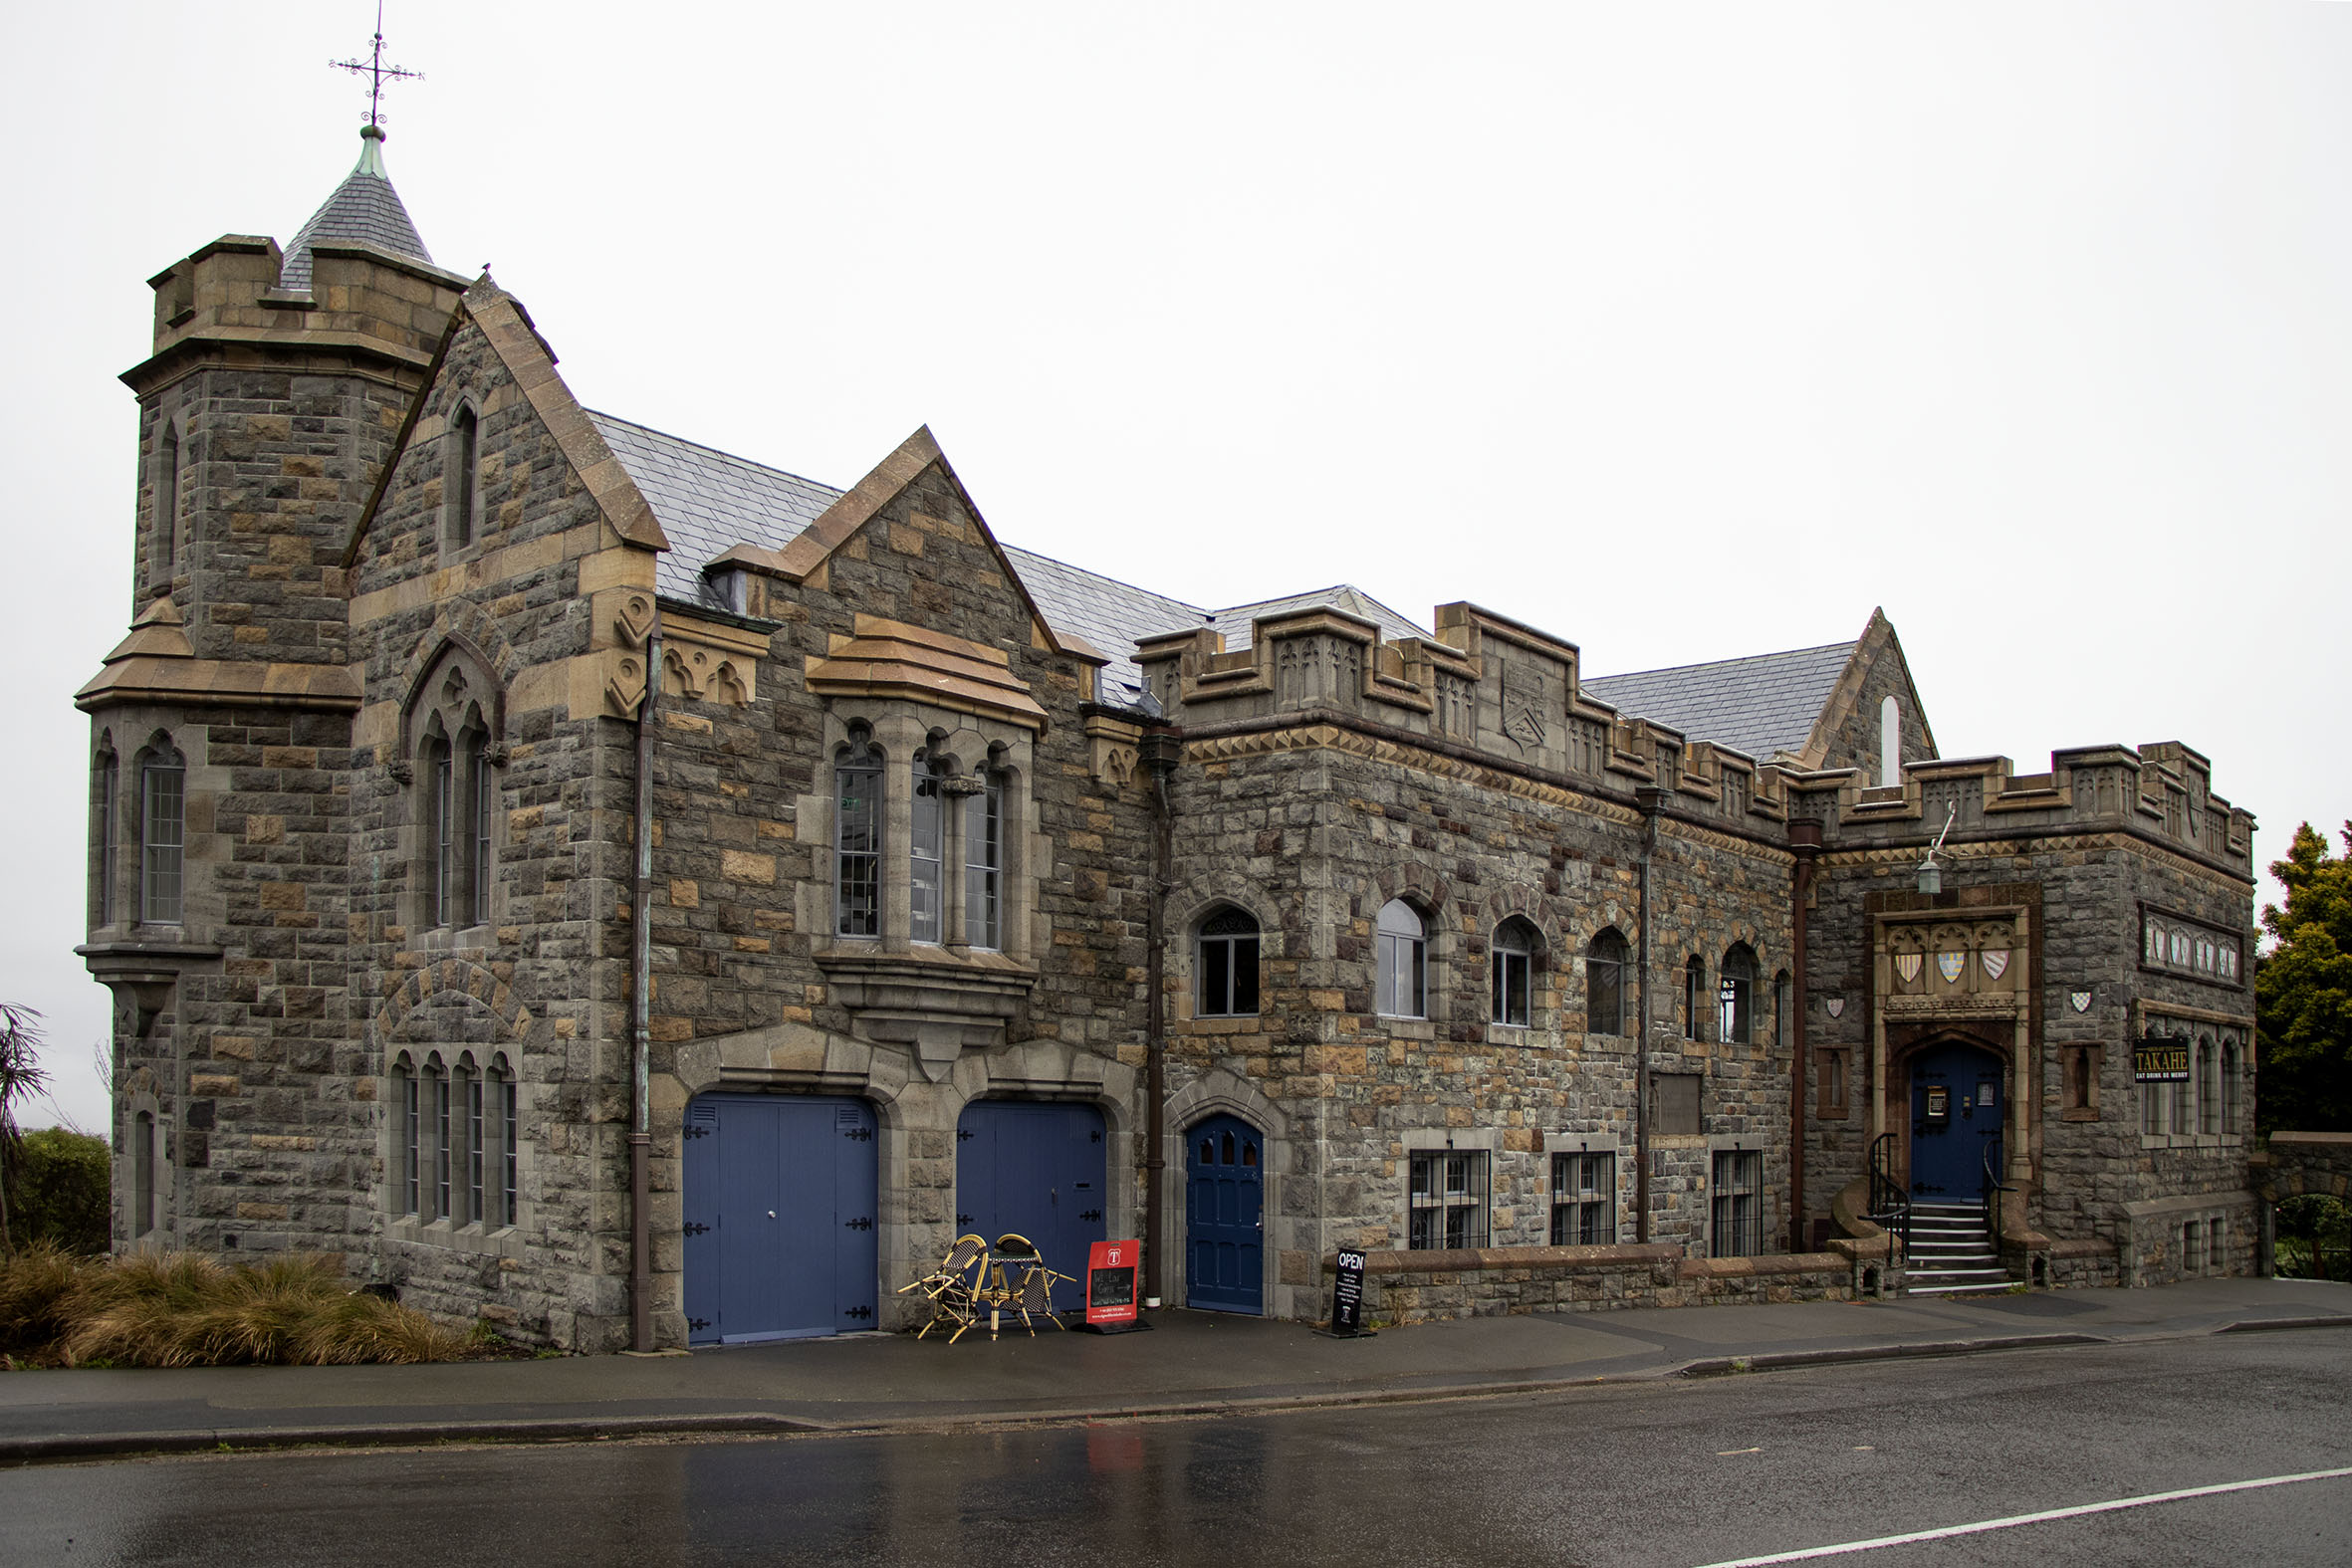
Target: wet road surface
1670 1472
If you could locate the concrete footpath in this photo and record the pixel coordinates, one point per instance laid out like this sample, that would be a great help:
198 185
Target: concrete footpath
1192 1363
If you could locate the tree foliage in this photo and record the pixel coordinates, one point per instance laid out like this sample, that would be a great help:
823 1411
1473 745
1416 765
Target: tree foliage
21 1077
63 1184
2303 990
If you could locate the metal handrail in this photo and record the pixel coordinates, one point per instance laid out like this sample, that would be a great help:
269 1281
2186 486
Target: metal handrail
1890 1199
1993 1189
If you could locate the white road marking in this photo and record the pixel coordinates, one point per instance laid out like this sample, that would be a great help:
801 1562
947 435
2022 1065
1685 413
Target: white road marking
2044 1517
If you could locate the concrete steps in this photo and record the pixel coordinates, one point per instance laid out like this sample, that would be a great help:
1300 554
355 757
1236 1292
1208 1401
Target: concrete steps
1952 1253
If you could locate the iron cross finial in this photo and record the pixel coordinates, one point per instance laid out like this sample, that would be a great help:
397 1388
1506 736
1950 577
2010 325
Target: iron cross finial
377 72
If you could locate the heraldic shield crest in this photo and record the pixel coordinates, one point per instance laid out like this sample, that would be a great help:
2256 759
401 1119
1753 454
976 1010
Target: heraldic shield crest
1524 705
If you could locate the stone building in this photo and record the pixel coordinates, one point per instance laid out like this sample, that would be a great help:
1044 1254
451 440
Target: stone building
624 892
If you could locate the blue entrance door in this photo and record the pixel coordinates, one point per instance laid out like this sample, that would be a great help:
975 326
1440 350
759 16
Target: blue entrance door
1036 1168
1223 1209
780 1217
1956 1110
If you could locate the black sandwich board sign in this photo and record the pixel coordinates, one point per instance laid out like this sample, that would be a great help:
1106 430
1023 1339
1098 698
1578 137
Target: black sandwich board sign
2161 1058
1347 1298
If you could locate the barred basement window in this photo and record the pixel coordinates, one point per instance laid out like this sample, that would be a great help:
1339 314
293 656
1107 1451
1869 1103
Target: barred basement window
1447 1205
1228 963
2217 1246
162 833
857 840
1583 1200
1737 1229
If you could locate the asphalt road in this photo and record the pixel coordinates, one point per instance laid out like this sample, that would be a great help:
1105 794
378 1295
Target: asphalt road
1670 1472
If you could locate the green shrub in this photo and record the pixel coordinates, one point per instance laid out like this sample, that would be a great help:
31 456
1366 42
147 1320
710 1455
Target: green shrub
60 1186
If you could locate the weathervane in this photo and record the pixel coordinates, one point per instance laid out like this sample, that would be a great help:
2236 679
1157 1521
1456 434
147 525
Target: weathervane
377 72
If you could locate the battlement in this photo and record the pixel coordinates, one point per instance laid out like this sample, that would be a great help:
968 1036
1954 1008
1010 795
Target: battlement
360 296
2162 791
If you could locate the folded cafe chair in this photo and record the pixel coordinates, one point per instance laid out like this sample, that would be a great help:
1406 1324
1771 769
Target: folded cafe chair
954 1288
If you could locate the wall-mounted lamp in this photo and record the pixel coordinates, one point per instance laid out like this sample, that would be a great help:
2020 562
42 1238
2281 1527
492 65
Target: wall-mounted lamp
1930 876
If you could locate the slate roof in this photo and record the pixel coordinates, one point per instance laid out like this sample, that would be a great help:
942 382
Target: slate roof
363 210
708 502
1236 621
1111 615
1758 705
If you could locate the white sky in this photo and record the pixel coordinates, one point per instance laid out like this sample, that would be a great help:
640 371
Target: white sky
1682 330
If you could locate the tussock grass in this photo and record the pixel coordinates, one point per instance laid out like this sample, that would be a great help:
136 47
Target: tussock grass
179 1309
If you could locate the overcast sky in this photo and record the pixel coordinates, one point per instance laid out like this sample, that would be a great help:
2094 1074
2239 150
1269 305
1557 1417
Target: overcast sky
1681 331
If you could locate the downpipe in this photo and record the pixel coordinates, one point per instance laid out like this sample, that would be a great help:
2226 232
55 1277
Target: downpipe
641 1016
1651 801
1159 751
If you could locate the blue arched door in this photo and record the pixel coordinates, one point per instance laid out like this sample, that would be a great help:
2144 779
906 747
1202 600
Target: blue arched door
1956 1111
1223 1216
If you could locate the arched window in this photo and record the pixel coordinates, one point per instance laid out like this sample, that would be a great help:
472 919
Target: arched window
1782 983
105 776
463 475
2232 1106
167 486
142 1173
163 822
926 843
1512 978
1400 990
2208 1087
1890 743
857 840
984 861
406 1127
1605 984
1228 964
2177 1094
503 1110
1694 999
436 1084
1738 1022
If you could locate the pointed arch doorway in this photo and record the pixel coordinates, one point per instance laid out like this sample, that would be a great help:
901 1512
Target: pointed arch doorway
1223 1216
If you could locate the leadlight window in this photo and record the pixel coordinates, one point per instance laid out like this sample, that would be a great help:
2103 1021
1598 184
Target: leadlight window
1512 973
2183 947
404 1141
446 834
1402 959
926 851
2208 1087
983 862
1447 1207
163 835
858 840
479 759
438 1082
1606 964
454 1141
1739 1202
1228 964
1694 999
503 1083
1583 1200
2233 1090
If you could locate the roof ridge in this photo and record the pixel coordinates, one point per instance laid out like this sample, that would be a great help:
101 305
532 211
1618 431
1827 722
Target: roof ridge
1708 664
719 452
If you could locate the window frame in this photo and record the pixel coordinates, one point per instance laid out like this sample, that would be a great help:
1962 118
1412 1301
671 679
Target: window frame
1578 1200
1510 973
1399 958
1232 944
1735 1207
1694 999
982 844
857 867
1742 970
462 479
1427 1207
162 855
1608 954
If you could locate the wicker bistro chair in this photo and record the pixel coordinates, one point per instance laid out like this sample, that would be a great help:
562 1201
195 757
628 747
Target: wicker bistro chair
955 1288
1031 1292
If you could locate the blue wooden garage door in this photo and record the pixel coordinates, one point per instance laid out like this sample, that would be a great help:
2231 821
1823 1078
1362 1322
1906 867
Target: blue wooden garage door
1036 1168
780 1217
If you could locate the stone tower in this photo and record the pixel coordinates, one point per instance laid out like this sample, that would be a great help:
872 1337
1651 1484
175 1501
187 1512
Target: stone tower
221 724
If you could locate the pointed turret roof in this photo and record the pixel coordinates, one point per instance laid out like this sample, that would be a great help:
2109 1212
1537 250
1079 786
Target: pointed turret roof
364 210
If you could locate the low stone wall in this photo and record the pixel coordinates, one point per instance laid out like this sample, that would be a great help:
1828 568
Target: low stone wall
1495 1281
2083 1263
